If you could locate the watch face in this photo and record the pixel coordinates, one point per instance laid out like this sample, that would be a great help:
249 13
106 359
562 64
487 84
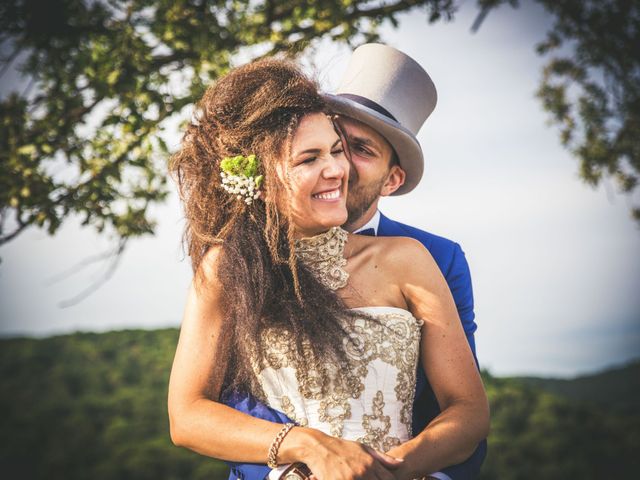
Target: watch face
293 476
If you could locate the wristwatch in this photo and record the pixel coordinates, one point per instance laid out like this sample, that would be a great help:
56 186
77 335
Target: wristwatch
296 471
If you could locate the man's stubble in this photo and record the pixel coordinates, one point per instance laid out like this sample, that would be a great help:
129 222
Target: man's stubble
361 197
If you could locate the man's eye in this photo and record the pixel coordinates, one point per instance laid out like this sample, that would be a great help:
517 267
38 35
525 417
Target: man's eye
362 150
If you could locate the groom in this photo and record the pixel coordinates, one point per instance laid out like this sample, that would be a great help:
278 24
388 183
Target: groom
382 102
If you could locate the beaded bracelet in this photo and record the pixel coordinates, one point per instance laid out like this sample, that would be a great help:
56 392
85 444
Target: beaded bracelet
275 445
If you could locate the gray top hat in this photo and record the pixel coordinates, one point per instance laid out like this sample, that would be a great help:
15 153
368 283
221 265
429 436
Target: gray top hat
389 91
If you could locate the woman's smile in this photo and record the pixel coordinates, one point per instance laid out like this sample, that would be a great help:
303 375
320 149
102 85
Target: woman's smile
332 195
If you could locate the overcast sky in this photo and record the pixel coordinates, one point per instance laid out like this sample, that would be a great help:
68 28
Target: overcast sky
555 264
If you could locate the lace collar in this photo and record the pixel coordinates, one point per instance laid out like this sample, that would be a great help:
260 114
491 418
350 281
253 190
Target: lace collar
323 254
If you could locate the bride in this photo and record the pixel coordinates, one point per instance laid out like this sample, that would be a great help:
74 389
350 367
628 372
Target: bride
323 325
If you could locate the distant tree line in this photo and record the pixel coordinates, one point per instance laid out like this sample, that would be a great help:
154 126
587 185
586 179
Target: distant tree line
94 406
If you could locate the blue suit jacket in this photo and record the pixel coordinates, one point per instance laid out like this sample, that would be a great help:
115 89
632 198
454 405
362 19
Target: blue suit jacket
453 265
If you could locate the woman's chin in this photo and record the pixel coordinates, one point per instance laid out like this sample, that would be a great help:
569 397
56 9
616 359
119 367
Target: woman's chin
320 219
310 229
335 214
336 220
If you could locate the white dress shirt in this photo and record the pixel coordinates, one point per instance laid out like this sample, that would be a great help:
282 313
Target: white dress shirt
372 223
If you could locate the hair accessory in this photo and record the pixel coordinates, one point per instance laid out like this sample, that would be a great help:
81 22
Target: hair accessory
272 462
240 177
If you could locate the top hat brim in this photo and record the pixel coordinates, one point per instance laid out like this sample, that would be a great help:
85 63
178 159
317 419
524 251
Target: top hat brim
402 140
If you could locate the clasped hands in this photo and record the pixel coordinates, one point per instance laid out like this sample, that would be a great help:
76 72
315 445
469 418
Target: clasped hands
337 459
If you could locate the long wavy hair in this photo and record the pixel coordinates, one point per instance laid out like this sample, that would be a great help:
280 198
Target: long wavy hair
255 109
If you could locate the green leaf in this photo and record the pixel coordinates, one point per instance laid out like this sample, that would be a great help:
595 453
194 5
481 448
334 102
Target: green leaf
112 78
27 150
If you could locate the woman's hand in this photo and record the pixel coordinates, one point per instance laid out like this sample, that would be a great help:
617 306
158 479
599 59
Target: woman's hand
331 458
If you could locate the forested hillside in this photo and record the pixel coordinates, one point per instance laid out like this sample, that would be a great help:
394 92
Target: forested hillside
93 406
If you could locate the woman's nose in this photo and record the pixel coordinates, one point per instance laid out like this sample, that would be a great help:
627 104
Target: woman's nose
334 169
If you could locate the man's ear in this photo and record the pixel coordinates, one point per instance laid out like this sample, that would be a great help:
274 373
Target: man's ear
395 179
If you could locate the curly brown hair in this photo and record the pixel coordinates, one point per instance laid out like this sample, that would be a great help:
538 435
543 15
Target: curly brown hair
255 109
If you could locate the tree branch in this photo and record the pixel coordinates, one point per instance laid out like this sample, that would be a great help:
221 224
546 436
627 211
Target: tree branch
384 10
480 18
21 226
9 61
116 257
81 265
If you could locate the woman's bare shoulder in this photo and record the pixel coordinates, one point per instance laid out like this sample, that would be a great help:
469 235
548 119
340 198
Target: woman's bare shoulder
397 256
206 279
209 262
401 250
395 244
407 256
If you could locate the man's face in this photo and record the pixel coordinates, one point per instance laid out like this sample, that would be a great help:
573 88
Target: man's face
370 162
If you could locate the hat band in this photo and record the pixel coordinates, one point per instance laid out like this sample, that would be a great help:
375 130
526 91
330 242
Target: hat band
369 104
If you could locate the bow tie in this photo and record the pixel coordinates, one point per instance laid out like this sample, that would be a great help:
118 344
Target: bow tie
370 232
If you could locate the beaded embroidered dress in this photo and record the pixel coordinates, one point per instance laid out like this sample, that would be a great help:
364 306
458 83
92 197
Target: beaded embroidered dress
372 401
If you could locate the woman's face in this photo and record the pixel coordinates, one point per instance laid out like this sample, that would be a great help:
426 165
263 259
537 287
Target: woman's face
318 175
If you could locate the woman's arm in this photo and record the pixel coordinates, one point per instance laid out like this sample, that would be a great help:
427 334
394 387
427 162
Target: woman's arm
195 421
448 363
213 429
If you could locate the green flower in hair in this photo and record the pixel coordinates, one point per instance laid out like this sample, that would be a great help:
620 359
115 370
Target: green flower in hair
240 177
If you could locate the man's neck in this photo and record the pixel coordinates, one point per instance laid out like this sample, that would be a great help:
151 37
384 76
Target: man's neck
363 220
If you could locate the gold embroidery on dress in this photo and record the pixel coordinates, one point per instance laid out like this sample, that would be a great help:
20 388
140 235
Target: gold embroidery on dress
289 410
393 338
335 409
324 255
377 427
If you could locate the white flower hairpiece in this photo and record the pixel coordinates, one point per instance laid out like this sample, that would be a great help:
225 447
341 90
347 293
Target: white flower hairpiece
240 177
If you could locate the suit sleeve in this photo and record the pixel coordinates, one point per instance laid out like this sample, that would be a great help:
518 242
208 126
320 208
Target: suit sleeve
248 404
458 277
469 469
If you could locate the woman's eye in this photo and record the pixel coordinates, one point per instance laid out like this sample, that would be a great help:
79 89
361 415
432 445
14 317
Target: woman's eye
337 151
308 160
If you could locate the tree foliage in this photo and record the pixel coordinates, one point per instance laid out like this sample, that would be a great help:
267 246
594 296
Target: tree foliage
90 405
591 85
600 119
538 435
105 77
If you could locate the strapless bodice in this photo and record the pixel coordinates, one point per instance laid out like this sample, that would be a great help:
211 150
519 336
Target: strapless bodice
370 403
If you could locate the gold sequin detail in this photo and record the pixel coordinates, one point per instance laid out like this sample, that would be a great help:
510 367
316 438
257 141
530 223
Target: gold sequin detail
324 255
392 338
